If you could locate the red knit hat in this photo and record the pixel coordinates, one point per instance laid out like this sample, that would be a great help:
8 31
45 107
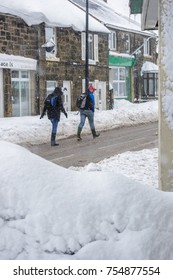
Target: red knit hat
91 88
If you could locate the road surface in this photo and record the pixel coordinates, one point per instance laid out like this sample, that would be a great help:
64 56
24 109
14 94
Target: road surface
70 152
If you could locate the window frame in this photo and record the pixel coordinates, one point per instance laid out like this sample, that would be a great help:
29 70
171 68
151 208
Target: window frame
49 37
113 40
50 89
20 80
146 48
150 80
92 38
119 82
127 43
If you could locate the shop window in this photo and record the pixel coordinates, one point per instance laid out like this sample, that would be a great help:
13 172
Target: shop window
20 93
150 85
119 82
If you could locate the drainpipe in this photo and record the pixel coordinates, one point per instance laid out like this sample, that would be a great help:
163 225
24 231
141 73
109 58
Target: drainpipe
86 51
38 73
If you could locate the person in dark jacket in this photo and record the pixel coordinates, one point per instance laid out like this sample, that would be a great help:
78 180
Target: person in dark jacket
88 112
53 111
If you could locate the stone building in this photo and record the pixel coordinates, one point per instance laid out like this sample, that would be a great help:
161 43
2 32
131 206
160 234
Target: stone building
65 67
34 58
37 54
129 49
18 64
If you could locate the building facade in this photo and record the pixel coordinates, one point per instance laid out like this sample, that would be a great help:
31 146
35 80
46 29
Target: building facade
34 59
18 66
129 51
29 71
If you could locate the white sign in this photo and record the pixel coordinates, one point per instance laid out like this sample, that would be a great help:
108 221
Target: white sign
17 62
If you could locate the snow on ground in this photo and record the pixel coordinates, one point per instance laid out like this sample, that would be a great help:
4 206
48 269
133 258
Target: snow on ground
113 212
35 131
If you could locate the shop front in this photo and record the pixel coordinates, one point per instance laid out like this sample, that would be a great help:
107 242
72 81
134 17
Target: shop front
17 86
120 66
149 73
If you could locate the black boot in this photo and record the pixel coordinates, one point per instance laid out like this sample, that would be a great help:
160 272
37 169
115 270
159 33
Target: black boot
94 133
53 143
78 134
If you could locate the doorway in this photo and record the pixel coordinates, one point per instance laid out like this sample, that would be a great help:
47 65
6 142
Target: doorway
67 95
20 93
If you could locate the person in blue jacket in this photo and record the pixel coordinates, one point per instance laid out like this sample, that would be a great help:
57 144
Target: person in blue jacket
88 112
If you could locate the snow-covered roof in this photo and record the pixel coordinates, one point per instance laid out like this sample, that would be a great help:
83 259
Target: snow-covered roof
107 15
121 54
61 13
149 67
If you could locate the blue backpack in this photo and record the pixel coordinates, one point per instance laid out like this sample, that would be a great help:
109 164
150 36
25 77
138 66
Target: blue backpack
49 102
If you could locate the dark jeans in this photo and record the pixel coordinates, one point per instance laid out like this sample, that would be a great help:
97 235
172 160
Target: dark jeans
86 114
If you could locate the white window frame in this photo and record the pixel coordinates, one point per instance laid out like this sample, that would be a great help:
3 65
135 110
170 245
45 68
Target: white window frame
127 42
50 35
21 79
119 81
92 39
146 47
50 86
113 41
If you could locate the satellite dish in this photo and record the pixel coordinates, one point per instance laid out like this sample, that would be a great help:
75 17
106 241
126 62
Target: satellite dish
49 46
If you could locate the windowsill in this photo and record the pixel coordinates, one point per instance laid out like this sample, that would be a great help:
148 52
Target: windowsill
92 62
53 59
120 97
147 55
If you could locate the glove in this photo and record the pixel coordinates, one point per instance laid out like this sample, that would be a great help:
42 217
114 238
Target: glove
42 115
66 114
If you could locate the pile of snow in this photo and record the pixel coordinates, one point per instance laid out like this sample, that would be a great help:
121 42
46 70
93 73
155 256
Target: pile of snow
49 212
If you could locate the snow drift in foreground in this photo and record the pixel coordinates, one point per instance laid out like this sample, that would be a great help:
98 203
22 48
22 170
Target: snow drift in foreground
49 212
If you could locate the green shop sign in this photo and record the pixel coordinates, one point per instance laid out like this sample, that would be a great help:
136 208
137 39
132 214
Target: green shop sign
121 61
136 6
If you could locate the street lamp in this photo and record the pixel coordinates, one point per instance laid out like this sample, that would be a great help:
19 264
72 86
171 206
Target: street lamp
86 50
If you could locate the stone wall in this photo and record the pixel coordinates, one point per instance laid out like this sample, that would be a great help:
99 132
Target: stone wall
17 38
136 41
70 65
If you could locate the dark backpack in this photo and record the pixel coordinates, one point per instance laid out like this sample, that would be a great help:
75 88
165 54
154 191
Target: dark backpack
49 102
81 101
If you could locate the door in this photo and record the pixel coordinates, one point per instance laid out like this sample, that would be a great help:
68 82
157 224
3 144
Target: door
67 95
101 93
20 93
1 95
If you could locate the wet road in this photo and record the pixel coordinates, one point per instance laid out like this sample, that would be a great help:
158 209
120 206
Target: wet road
70 152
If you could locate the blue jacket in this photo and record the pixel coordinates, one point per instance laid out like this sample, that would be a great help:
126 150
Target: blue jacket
91 96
